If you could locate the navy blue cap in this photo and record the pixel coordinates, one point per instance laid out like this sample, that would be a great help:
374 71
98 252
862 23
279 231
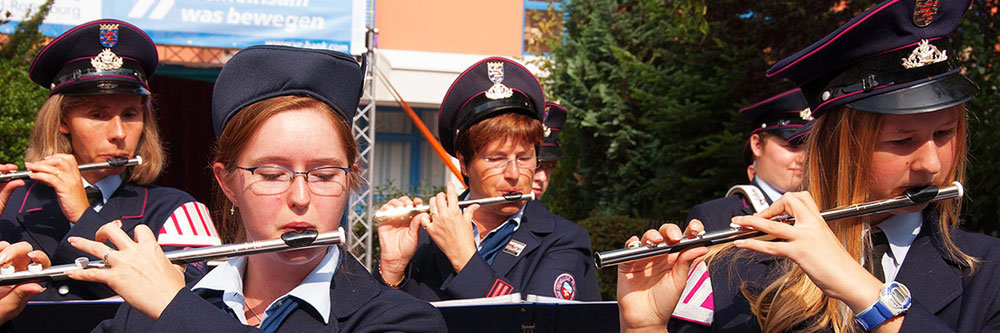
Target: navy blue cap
555 117
893 58
98 57
800 135
491 87
783 115
260 72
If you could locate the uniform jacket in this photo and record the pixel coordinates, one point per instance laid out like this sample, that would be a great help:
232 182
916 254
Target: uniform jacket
944 297
33 215
358 303
718 213
555 259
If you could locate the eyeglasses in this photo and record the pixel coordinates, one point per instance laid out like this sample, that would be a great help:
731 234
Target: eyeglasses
325 181
497 163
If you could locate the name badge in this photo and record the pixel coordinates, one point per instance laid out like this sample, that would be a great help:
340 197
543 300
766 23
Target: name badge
514 248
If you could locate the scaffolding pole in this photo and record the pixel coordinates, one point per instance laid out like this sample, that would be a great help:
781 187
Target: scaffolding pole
360 207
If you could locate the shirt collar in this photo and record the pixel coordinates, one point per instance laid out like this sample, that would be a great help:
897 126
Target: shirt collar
516 219
901 230
108 185
314 289
771 193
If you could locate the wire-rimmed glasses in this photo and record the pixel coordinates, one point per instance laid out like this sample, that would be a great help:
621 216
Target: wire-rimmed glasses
325 181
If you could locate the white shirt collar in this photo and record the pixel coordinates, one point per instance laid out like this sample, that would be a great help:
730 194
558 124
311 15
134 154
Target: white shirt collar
771 193
314 290
900 230
516 219
108 185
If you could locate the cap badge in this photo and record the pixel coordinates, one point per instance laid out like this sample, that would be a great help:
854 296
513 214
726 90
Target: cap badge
924 11
806 114
547 130
924 54
498 90
106 61
109 35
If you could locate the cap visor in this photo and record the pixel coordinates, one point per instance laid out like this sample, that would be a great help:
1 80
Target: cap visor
929 96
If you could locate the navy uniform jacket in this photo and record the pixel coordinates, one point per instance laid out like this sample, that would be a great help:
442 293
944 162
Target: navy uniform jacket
554 248
944 298
33 215
358 303
718 213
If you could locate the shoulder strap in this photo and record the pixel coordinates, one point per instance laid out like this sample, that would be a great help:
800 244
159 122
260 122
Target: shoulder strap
753 195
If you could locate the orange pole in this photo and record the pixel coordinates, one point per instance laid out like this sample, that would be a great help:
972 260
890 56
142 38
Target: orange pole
442 154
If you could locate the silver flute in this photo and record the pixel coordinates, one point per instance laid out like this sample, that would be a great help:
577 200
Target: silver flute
412 211
113 162
289 241
911 197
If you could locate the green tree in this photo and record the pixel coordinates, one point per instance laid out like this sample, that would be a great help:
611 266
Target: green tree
652 89
21 97
977 42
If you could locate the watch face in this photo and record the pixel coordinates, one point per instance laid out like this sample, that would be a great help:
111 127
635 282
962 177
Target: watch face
897 297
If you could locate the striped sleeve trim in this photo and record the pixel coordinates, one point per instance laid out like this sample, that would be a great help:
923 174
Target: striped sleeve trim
190 225
696 303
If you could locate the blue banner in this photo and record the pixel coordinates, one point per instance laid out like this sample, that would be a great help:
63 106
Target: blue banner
327 24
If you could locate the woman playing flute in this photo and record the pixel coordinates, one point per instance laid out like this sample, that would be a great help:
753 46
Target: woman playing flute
491 121
890 110
285 162
99 108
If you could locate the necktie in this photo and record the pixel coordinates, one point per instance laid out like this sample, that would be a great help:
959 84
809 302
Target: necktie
493 243
880 244
94 195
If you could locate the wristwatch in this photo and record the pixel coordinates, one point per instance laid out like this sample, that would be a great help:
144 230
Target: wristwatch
892 301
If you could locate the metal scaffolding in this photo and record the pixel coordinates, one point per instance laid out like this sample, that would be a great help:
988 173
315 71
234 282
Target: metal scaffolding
360 210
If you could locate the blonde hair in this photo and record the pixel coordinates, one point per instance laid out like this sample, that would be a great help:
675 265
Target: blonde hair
46 139
839 153
236 137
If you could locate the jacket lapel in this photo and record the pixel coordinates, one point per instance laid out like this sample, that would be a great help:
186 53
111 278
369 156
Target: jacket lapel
127 201
535 221
926 272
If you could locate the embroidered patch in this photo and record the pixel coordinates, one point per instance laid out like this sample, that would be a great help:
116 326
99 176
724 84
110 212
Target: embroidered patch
924 12
514 248
500 288
565 286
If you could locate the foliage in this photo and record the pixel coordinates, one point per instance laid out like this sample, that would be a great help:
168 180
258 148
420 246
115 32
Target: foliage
977 41
21 97
652 90
609 233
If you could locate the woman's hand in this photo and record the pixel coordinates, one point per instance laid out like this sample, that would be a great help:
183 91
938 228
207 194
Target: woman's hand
6 188
139 271
60 171
397 238
649 289
14 298
451 228
814 247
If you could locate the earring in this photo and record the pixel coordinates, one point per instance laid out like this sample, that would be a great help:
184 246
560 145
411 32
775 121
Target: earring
232 210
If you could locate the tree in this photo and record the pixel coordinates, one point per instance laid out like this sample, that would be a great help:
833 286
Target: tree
652 89
21 97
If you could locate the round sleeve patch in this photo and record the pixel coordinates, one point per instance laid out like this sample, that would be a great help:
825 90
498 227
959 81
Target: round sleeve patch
565 286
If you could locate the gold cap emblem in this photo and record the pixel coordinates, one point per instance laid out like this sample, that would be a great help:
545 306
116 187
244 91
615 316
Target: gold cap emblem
925 54
806 114
106 61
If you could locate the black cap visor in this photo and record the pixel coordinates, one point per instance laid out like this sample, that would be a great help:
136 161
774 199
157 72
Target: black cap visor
936 94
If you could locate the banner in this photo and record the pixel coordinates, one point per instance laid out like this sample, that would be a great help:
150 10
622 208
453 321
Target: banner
326 24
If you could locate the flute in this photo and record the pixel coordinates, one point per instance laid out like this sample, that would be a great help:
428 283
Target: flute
412 211
911 197
289 241
113 162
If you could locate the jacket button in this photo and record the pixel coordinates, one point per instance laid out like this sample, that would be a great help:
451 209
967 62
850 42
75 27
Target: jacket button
63 290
